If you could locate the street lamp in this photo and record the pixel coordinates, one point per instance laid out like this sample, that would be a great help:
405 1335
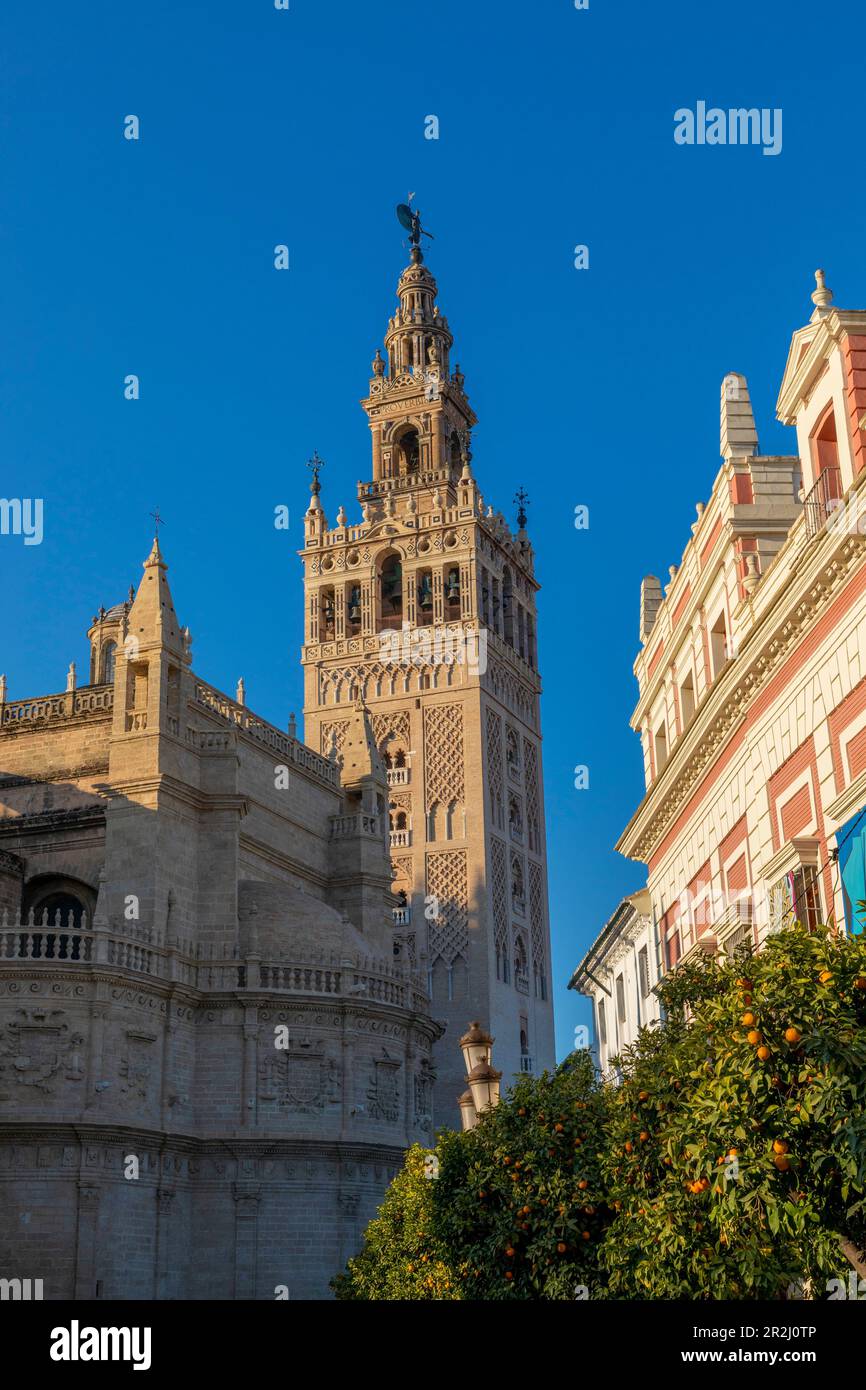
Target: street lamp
468 1113
475 1046
482 1077
484 1085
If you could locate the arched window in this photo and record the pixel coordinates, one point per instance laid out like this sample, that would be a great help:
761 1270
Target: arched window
425 598
109 652
825 445
452 592
519 959
327 613
508 607
391 592
517 896
353 609
58 908
408 451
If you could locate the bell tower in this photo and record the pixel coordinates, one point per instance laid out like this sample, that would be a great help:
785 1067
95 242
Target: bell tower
426 612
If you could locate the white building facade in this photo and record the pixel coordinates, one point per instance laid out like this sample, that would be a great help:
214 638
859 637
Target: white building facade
618 975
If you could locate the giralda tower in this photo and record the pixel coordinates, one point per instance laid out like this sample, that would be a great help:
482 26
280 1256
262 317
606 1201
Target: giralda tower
426 611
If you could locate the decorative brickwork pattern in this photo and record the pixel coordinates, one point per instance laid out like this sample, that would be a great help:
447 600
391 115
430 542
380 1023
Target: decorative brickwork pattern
494 767
499 892
530 765
331 728
536 915
443 756
447 883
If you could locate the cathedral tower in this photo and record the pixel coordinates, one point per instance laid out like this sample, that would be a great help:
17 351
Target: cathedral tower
425 612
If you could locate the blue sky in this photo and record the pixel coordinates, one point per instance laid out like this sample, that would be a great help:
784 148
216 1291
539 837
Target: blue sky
305 127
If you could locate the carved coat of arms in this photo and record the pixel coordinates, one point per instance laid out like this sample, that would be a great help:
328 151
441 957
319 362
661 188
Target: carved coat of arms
37 1047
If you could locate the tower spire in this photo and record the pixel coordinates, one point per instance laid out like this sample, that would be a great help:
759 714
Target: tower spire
417 405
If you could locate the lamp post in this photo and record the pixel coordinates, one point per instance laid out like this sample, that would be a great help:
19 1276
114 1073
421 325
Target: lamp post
482 1077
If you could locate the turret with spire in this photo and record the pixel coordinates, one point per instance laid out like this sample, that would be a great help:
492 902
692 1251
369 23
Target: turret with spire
417 407
157 764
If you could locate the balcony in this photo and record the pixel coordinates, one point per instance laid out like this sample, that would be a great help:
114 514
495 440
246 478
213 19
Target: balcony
398 776
526 1064
521 982
400 839
822 499
402 916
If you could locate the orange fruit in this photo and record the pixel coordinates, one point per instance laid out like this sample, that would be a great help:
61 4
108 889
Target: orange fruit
763 1053
508 1274
782 1162
583 1184
860 982
792 1035
558 1128
586 1235
825 977
643 1136
629 1146
753 1037
747 1020
643 1095
780 1146
509 1250
561 1247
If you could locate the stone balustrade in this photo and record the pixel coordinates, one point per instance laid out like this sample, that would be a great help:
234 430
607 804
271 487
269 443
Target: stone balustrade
88 701
30 947
358 823
291 750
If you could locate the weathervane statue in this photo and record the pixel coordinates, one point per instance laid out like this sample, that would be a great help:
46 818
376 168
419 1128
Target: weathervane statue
410 218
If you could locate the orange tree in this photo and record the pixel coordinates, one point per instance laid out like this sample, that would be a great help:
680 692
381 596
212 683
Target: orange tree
728 1161
402 1258
736 1152
517 1207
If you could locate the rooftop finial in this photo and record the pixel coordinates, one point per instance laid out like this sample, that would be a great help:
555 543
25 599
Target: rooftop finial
821 296
521 498
315 464
157 521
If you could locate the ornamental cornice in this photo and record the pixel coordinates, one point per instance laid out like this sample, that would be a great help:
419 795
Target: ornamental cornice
728 702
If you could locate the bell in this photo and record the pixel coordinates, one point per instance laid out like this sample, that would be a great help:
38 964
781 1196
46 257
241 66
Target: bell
425 593
328 611
452 591
355 606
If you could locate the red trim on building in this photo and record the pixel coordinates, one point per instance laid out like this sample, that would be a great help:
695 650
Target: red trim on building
768 696
840 718
654 660
678 611
711 541
854 359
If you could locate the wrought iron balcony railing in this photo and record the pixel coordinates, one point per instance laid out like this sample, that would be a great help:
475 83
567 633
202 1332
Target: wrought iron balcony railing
822 499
